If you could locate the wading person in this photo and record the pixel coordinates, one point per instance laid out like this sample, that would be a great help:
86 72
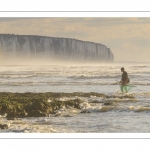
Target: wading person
124 81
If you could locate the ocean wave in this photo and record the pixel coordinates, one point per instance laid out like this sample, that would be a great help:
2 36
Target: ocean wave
139 108
140 83
140 66
138 72
17 76
94 77
74 83
107 108
17 83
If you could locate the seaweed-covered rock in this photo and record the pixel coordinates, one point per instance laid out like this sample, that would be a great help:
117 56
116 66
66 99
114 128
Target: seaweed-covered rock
3 126
16 115
11 115
37 113
35 106
18 105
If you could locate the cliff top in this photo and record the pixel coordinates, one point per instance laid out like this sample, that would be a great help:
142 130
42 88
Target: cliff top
12 35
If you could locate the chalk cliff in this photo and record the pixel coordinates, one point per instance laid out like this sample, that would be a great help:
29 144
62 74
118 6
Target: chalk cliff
53 48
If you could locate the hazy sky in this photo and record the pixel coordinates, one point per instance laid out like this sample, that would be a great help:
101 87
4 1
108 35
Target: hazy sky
128 38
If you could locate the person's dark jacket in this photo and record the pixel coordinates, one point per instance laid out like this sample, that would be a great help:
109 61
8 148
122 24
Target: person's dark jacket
125 79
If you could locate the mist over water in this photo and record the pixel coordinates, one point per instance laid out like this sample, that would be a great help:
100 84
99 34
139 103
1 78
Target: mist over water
112 114
61 76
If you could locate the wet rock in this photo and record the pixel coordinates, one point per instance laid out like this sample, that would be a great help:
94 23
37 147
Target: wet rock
35 106
108 103
3 109
49 110
95 101
13 118
11 115
17 105
3 126
37 113
22 115
39 106
16 115
85 111
7 107
56 115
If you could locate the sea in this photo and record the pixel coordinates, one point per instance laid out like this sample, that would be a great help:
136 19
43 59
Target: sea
129 114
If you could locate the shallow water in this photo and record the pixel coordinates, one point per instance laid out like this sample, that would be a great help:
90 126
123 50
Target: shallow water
97 114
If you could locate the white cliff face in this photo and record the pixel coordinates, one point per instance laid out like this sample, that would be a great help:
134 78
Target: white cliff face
52 48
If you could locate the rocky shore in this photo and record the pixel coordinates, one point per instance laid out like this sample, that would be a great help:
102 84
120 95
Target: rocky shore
20 105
